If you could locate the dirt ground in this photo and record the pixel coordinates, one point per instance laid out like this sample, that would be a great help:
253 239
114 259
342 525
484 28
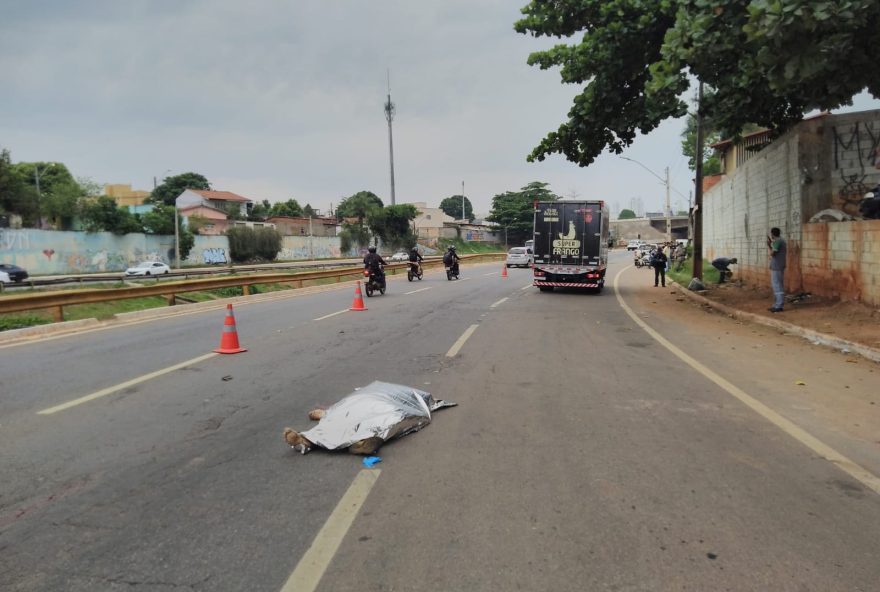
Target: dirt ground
847 320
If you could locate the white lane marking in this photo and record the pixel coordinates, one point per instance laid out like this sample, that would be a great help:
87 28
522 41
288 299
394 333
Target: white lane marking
458 344
416 291
499 302
124 385
789 427
314 562
464 279
493 273
332 314
526 287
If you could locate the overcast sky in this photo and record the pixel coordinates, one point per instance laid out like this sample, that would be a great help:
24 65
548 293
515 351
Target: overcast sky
280 99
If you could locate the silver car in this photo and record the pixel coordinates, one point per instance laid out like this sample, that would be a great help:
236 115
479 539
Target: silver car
148 268
519 257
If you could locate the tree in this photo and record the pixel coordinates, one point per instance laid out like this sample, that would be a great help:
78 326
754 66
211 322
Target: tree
45 180
172 187
290 208
451 206
514 210
711 162
260 211
16 197
103 214
160 220
308 210
358 205
626 214
765 62
391 224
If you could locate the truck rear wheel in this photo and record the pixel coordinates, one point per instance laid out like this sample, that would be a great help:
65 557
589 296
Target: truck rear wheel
545 288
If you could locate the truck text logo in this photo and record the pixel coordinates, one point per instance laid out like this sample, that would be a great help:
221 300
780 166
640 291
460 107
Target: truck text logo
551 215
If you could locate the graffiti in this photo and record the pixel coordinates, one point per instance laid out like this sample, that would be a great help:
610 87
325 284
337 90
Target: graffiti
865 145
214 255
14 239
861 148
48 253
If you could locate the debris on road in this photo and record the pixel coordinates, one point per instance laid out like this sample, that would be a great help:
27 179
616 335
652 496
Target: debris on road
367 418
371 461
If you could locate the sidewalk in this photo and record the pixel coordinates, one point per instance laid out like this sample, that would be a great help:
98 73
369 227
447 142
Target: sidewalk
845 326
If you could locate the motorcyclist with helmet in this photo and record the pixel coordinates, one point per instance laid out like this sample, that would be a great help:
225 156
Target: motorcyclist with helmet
415 257
374 263
451 259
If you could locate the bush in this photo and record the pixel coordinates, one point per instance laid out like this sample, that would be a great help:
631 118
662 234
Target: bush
247 243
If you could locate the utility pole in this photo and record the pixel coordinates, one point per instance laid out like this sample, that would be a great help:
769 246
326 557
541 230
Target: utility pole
389 115
698 193
37 173
463 211
668 221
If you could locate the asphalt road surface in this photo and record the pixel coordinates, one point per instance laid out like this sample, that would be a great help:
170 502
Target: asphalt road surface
617 441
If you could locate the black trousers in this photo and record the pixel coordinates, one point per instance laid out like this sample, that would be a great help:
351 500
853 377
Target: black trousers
660 274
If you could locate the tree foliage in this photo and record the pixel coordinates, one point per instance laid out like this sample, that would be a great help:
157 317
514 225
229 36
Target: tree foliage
451 206
160 220
16 196
514 210
626 214
247 244
260 211
392 225
290 208
172 187
103 214
765 62
711 162
358 205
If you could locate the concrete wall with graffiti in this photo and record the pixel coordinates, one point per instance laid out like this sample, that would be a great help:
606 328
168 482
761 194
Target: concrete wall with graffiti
825 163
50 252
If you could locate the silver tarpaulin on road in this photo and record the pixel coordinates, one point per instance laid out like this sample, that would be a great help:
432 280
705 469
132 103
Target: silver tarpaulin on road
380 409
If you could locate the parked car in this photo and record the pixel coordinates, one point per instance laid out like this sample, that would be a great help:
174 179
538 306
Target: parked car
519 256
632 245
14 272
400 256
148 268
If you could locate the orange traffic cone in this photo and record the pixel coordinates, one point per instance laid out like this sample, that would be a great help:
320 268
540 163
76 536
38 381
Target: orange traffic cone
358 303
504 271
229 339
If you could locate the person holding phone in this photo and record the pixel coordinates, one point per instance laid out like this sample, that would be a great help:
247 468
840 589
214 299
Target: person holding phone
777 247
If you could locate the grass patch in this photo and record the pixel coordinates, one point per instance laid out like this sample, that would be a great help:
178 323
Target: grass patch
106 310
469 248
20 321
683 277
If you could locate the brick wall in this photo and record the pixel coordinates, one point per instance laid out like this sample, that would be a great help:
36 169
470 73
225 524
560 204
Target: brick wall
842 260
825 162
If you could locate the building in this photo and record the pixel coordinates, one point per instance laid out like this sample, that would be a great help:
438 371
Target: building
428 224
219 200
300 226
125 196
203 219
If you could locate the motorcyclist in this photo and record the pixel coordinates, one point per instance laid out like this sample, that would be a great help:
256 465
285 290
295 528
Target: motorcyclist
451 258
415 257
374 263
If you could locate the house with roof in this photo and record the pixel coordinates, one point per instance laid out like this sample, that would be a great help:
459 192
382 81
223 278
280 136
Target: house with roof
304 226
219 200
211 209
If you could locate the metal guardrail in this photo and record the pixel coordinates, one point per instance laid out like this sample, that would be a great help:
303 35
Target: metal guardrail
57 300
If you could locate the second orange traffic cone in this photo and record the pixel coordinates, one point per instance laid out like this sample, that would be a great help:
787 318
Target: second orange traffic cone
358 303
229 339
504 271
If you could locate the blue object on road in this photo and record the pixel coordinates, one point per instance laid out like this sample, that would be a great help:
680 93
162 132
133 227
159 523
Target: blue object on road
369 461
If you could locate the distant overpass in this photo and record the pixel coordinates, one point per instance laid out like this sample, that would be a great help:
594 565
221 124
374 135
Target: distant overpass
649 229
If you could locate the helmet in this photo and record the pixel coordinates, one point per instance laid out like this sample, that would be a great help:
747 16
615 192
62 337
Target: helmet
415 249
372 249
451 247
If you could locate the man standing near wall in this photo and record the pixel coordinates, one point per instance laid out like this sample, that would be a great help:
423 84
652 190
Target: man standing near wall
776 244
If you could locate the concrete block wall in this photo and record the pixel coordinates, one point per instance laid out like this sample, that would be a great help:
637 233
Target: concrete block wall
739 212
829 161
842 260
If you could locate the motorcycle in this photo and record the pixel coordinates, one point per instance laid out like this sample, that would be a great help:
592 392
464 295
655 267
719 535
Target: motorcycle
374 282
414 271
452 271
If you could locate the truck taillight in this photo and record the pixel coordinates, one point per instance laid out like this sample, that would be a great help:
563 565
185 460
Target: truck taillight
539 273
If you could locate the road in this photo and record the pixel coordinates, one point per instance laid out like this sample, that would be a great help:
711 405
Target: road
621 441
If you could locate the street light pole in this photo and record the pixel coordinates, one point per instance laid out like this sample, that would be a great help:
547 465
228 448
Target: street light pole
667 212
176 238
37 174
463 215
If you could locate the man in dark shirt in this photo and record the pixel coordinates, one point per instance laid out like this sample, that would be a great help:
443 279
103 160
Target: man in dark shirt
722 264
